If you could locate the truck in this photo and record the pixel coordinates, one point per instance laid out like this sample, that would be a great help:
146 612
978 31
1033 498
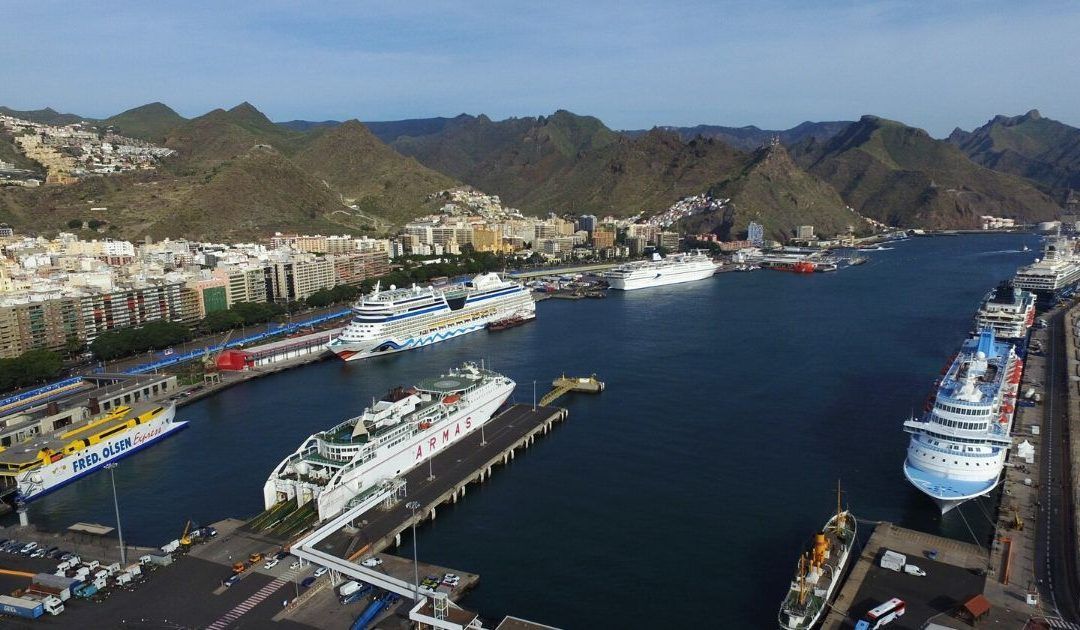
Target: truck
348 588
49 603
21 607
62 584
123 578
113 568
893 561
356 595
170 546
85 590
911 569
161 561
135 569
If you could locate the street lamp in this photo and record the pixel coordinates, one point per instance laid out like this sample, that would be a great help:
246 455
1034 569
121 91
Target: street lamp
415 505
430 471
116 504
483 440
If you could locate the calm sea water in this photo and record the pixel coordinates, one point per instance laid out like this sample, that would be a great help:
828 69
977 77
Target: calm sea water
732 407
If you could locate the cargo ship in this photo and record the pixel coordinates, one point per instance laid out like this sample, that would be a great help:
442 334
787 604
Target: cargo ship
388 439
29 470
958 447
660 271
819 572
403 319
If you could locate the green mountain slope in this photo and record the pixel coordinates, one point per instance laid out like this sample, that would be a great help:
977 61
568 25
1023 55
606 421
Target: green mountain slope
151 122
751 138
1040 149
223 134
566 162
47 116
901 176
772 190
368 173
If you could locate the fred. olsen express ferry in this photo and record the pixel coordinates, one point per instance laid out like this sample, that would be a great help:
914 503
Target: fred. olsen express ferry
33 468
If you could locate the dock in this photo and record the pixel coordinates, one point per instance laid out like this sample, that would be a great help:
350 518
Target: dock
564 385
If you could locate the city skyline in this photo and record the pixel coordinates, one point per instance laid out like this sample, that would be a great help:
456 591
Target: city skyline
771 65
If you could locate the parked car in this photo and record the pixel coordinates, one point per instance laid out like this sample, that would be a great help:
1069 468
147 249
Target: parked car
271 563
281 554
373 561
321 571
308 581
295 565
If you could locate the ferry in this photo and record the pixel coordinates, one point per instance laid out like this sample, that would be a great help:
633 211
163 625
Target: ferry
819 572
660 271
1008 311
958 447
402 319
1057 272
387 440
29 470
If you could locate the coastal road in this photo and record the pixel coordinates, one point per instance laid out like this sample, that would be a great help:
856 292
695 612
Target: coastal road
1055 565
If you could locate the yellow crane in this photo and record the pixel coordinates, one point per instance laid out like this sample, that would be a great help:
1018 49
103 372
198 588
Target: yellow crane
185 538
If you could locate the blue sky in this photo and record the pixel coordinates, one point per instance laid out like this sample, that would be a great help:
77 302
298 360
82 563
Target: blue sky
935 65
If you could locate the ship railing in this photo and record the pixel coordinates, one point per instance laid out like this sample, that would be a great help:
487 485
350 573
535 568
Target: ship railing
954 453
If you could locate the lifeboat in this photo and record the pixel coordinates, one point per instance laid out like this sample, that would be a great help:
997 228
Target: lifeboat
425 425
451 399
804 266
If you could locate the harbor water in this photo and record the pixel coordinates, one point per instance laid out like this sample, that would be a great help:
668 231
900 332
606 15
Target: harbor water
683 493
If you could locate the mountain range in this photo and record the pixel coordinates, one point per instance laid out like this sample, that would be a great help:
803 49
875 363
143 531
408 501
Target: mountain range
237 174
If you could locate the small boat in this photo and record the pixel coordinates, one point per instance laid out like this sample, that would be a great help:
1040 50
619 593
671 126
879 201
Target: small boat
510 322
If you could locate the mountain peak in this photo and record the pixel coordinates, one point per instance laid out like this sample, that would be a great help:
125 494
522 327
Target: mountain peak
1033 115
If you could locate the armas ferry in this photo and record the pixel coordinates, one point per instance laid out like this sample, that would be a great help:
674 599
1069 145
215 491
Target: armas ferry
33 468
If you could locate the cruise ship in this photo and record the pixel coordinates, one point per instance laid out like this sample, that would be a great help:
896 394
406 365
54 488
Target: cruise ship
403 319
1008 311
38 466
958 447
660 271
388 439
1057 271
820 570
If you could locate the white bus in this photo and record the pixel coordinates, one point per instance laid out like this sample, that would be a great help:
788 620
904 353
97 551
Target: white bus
882 615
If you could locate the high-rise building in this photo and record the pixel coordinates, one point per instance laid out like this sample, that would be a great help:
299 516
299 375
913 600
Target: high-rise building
603 238
755 233
587 222
804 232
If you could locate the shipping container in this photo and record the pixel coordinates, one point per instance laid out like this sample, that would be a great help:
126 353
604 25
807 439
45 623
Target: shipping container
21 607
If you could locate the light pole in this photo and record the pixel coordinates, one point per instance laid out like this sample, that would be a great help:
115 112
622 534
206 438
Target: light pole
415 505
430 471
116 504
483 440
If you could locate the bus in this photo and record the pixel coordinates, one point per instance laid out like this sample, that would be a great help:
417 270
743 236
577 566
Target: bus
882 615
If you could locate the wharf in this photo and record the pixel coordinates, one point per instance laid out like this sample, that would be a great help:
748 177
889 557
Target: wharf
444 481
956 574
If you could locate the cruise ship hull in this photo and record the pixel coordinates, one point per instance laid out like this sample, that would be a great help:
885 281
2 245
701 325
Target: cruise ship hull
660 279
40 481
944 502
390 461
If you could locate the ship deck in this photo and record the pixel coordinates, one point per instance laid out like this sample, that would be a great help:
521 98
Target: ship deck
27 451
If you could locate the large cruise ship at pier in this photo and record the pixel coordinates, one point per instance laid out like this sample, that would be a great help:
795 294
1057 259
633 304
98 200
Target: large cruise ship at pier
391 437
660 271
1008 311
958 448
38 466
402 319
1057 271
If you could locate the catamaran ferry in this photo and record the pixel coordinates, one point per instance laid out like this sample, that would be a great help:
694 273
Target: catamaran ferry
39 466
660 271
402 319
958 448
391 437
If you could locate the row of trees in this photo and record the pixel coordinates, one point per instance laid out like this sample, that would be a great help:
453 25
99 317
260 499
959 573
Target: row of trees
242 314
336 295
124 342
29 368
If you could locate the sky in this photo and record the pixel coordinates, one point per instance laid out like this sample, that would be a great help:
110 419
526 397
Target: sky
935 64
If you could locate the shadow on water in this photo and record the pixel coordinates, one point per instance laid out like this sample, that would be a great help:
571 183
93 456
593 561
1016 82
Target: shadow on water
688 487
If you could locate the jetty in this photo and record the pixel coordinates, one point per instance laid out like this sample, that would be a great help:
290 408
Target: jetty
564 385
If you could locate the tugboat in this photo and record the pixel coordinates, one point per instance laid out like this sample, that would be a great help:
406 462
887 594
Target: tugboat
819 572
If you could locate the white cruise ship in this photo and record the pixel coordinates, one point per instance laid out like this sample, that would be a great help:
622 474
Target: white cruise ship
958 448
1058 270
47 462
1008 311
391 437
402 319
660 271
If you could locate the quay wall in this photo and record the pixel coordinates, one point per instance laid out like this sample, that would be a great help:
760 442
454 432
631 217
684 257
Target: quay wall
1072 414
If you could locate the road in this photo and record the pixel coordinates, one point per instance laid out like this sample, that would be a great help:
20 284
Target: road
1055 567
